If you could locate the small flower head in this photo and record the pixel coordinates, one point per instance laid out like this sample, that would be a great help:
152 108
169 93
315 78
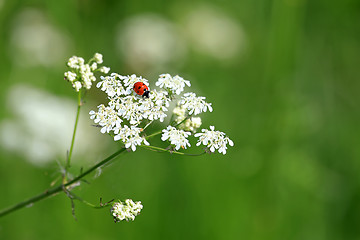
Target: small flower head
126 210
76 85
175 84
156 106
70 76
112 85
81 75
98 58
176 137
214 140
194 104
130 136
104 69
107 118
75 62
190 124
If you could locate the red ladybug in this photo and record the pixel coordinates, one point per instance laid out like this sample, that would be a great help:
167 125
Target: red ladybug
141 89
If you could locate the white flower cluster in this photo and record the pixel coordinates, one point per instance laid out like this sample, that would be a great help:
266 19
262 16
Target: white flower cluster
187 124
195 105
127 210
128 114
214 140
130 136
81 74
126 111
174 84
176 137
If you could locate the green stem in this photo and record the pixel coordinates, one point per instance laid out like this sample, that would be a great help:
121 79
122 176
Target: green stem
148 124
186 118
74 132
158 149
154 134
59 188
73 196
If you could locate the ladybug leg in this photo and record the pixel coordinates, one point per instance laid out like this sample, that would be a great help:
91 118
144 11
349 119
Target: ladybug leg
146 94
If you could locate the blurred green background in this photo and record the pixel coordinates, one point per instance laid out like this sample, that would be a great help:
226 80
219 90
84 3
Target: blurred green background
283 79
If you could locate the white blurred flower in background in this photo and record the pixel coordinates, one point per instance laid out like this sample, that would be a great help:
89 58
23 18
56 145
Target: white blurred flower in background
42 125
149 41
213 32
35 41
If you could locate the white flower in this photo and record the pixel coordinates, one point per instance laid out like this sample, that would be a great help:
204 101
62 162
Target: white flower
130 136
104 69
129 109
135 109
70 76
155 106
174 84
180 111
77 85
214 140
75 62
111 85
87 76
127 210
93 66
190 124
84 72
98 58
176 137
195 105
107 118
110 120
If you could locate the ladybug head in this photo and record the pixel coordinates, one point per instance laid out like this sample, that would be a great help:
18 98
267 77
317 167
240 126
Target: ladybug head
146 93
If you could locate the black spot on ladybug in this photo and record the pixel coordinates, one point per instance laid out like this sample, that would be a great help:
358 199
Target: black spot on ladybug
139 87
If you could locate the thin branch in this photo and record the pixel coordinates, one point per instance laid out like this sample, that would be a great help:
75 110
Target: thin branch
101 205
158 149
74 133
59 188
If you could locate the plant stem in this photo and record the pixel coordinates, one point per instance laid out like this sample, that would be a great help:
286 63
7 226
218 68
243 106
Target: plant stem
154 134
158 149
59 188
75 197
74 132
186 118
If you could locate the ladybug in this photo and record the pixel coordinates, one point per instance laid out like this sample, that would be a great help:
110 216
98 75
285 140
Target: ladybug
141 89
